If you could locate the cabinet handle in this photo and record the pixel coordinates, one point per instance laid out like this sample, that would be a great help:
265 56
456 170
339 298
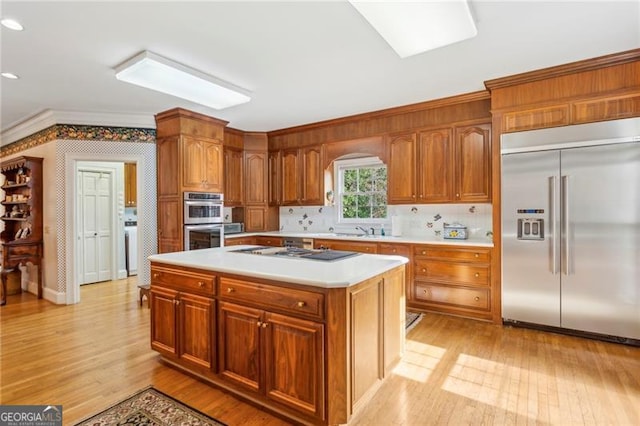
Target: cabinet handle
200 284
424 252
230 289
476 298
395 251
476 275
302 304
259 323
265 324
457 195
424 269
476 255
156 275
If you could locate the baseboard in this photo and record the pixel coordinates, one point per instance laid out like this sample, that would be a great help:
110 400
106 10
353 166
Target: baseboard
59 298
122 274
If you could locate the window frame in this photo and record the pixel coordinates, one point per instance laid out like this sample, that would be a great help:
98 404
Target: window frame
362 162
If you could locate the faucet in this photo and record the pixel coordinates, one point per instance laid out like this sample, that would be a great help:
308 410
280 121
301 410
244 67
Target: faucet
363 230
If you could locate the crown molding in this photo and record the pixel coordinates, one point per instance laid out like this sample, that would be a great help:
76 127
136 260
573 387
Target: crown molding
49 117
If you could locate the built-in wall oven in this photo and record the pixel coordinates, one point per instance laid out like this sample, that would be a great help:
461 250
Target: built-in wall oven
203 217
203 208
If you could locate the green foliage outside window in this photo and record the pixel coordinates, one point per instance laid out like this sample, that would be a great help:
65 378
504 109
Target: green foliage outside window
364 192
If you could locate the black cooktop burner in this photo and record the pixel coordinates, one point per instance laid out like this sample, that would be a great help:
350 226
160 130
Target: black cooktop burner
296 252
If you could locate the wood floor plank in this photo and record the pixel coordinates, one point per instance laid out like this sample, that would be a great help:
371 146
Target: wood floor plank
89 356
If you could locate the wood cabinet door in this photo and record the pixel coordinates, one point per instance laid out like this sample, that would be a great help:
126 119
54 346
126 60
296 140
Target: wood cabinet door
255 165
192 163
312 176
401 170
167 166
130 184
239 345
435 166
255 219
401 250
169 228
275 180
195 329
212 167
164 320
290 177
294 356
473 163
233 177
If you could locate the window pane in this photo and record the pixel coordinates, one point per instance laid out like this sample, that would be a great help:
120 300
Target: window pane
351 180
365 182
349 206
379 199
363 194
379 212
364 212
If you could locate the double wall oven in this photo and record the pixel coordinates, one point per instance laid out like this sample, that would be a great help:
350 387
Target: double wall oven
203 217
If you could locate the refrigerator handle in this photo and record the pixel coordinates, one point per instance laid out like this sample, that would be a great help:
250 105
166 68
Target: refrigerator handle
552 224
566 255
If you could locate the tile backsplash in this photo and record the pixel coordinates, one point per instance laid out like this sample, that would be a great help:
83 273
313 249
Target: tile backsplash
420 220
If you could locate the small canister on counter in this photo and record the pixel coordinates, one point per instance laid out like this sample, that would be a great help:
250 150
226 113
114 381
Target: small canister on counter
455 231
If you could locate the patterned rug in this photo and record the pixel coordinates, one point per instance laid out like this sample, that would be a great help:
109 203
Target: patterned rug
412 319
150 407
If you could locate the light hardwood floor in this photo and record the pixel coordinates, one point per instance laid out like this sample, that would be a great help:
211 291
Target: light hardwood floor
455 371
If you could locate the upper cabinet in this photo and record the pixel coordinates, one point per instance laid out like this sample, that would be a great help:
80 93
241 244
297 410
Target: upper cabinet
302 176
275 179
256 178
443 165
130 185
202 168
233 177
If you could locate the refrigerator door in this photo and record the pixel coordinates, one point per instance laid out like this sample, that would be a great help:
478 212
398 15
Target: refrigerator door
601 251
530 260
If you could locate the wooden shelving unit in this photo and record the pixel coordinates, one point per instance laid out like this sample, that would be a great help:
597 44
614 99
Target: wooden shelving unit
22 217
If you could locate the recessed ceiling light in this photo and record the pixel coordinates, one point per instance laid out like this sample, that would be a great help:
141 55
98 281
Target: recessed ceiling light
164 75
9 75
12 24
412 27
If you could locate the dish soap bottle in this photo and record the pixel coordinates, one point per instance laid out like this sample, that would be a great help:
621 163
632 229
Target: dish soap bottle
382 230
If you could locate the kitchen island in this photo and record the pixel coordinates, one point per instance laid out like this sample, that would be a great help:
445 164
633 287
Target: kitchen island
309 340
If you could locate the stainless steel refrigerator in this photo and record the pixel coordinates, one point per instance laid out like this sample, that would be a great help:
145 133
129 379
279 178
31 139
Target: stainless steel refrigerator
571 228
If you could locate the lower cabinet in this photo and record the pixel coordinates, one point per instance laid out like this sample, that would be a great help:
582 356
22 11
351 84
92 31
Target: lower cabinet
182 326
453 280
238 241
279 356
347 245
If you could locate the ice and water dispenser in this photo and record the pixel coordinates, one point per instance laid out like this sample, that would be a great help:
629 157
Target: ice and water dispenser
531 228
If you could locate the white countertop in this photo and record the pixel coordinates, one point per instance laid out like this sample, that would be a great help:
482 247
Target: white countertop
474 242
336 274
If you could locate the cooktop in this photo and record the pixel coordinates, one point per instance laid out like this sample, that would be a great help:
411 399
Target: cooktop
296 252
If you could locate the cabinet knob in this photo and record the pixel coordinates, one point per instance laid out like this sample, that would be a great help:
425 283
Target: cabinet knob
259 323
424 252
395 251
200 284
458 195
476 255
424 292
477 298
477 275
302 304
230 289
265 324
424 269
156 275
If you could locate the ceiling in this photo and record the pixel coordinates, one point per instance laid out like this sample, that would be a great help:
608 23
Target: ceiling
304 61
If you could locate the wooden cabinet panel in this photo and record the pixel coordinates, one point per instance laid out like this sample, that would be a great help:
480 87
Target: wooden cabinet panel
197 322
239 241
434 166
291 171
275 179
538 118
312 176
239 345
255 164
401 170
233 177
472 254
262 240
401 250
610 108
204 284
452 272
346 245
473 167
255 219
168 167
169 228
130 184
202 165
213 166
293 301
163 320
294 354
470 298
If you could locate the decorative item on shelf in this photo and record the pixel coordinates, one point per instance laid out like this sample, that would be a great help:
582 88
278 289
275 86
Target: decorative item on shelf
330 197
455 231
15 212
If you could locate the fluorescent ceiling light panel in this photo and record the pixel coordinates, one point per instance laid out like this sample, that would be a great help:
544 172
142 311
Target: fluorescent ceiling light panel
12 24
164 75
412 27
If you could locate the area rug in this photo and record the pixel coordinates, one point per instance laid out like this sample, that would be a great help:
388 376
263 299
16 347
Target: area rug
150 407
412 319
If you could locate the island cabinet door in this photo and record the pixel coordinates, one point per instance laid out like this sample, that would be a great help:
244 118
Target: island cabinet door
196 326
164 320
239 345
294 363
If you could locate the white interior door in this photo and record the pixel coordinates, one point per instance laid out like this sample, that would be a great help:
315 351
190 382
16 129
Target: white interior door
95 233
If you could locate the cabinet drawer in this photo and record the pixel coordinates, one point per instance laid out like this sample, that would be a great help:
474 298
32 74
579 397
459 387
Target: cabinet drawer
462 273
270 297
184 280
473 298
471 254
395 249
357 246
268 241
